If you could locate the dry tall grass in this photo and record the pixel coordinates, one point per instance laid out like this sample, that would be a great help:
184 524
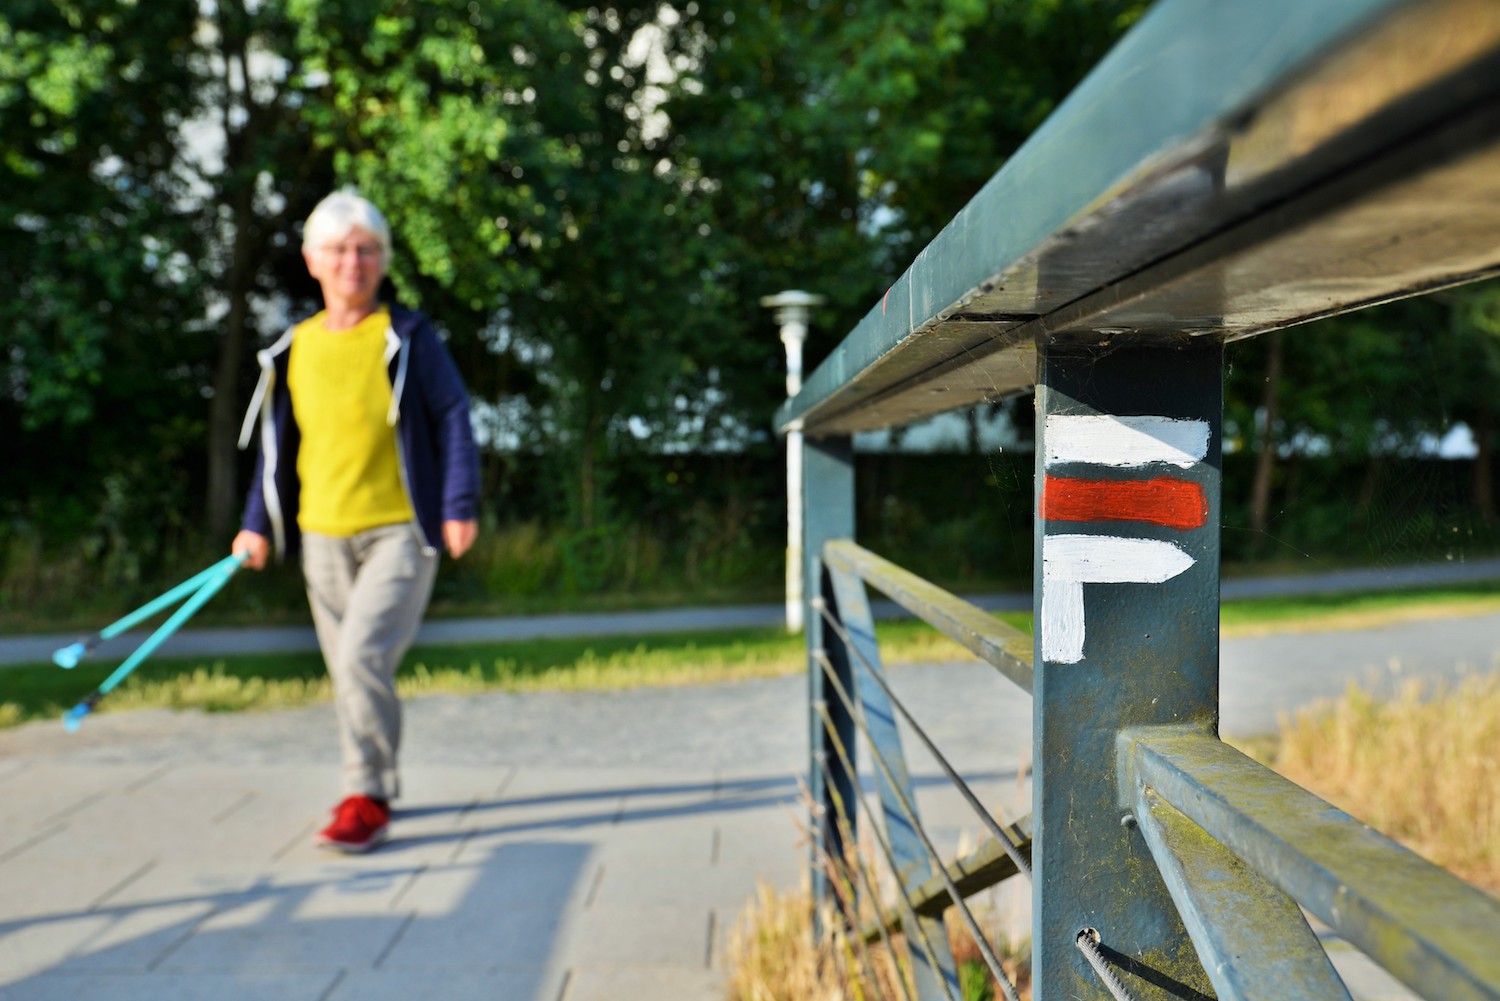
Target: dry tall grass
773 956
1423 768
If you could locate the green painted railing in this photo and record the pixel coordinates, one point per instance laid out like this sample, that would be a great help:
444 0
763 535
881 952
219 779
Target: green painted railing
1231 168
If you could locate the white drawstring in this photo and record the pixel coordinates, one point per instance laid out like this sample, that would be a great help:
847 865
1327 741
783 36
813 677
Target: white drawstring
263 384
394 413
256 398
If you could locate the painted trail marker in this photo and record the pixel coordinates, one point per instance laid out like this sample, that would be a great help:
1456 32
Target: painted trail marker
1071 561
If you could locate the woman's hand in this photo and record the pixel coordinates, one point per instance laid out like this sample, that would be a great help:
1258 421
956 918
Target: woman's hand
458 536
256 547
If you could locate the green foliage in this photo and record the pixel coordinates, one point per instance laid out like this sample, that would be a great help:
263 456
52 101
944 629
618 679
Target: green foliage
1372 392
833 140
100 376
974 981
425 107
590 200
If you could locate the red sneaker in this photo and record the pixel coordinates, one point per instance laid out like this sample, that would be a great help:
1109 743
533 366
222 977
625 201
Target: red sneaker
359 824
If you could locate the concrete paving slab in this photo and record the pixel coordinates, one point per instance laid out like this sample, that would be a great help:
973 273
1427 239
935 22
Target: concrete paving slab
33 947
188 881
339 890
436 814
599 984
642 936
565 803
48 795
152 918
492 829
770 842
656 843
249 986
196 813
269 934
450 790
441 985
135 939
530 940
45 890
1366 981
726 890
203 812
524 875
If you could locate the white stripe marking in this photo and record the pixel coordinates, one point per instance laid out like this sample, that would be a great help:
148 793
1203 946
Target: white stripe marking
1124 442
1071 561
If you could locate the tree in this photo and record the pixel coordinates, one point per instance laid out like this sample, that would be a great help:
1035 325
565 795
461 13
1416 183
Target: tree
1469 372
831 141
589 198
251 88
101 366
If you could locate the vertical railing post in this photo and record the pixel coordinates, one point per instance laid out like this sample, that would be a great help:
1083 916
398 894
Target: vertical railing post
1127 634
827 513
933 971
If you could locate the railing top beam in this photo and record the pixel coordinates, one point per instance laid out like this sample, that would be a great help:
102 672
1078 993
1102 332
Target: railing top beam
1227 169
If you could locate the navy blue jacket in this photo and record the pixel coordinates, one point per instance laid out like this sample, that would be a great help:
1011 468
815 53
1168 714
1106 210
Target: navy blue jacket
434 439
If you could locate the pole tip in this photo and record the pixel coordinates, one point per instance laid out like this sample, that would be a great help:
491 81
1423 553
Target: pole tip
74 717
69 656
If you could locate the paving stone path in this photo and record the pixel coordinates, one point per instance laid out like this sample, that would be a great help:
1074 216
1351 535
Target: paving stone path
547 847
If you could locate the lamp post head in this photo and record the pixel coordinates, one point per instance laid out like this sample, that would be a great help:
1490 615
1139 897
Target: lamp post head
792 308
792 297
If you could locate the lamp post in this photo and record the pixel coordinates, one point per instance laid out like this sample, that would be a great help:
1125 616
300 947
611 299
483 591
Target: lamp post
792 308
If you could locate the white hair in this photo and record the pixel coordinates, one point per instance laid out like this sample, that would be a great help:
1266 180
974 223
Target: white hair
341 212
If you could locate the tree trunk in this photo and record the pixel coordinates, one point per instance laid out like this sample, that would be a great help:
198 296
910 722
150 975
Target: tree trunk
1265 461
225 409
1484 466
588 471
223 427
238 187
1369 488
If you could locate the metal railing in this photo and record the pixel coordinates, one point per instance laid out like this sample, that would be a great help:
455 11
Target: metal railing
1229 169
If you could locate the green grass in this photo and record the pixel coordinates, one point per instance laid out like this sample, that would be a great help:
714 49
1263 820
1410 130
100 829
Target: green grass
270 681
595 663
1356 610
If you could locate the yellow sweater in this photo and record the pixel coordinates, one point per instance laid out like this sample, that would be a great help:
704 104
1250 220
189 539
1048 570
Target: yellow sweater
347 462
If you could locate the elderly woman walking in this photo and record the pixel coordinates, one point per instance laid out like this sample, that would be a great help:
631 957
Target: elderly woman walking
367 462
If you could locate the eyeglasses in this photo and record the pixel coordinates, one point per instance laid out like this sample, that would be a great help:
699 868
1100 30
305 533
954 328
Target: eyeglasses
363 251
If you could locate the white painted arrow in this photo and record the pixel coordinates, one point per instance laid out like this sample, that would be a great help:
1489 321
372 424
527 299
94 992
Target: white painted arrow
1071 561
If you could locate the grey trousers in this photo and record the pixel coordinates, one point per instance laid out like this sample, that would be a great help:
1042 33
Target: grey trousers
368 594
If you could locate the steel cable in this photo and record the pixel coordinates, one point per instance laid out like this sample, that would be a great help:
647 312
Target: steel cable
1023 865
990 959
913 924
842 819
1088 944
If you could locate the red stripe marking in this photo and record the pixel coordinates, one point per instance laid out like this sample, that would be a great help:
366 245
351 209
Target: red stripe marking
1163 501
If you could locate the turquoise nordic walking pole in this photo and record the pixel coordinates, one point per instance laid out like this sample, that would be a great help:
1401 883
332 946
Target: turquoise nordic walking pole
70 655
209 582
